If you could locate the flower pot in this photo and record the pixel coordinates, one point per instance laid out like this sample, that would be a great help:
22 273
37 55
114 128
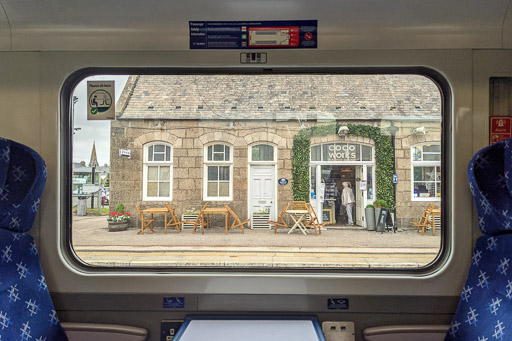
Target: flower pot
377 214
117 226
369 216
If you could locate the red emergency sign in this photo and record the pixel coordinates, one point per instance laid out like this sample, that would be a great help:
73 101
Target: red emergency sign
500 128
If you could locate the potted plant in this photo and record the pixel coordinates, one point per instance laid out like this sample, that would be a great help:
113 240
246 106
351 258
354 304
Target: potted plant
119 220
260 218
378 204
369 216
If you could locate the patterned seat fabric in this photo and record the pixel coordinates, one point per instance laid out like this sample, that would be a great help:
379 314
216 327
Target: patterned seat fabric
485 306
26 309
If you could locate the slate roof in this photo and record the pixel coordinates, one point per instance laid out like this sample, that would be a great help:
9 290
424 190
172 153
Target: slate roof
281 97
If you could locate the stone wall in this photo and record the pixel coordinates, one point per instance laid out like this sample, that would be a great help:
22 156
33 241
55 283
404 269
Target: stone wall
189 137
188 142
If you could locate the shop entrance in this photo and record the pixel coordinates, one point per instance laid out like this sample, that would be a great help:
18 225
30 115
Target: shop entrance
332 177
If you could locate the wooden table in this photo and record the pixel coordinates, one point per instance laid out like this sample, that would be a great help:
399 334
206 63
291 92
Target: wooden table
298 217
214 210
435 212
154 210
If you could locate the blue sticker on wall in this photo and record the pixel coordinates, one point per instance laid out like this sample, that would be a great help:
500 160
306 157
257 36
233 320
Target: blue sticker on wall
174 302
286 34
337 303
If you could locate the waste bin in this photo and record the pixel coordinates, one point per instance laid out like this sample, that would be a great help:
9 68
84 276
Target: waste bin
81 209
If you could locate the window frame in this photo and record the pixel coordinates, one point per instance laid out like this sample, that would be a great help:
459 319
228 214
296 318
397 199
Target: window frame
145 165
212 163
422 163
66 131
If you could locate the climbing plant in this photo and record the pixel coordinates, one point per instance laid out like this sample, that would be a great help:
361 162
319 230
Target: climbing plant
383 159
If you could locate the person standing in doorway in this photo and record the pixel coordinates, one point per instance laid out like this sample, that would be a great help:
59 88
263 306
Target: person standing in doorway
347 199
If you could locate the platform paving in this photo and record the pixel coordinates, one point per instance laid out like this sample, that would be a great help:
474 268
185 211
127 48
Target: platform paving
344 247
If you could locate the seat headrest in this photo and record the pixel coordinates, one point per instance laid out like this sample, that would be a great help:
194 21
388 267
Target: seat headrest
490 181
22 179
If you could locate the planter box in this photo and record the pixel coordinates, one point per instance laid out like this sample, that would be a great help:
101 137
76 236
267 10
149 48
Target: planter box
188 217
117 226
260 221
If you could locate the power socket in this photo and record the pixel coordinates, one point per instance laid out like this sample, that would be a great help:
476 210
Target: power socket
169 328
338 331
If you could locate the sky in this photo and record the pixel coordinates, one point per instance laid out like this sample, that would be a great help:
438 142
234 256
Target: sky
92 131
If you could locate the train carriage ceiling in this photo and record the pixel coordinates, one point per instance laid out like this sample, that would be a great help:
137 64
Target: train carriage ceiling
97 25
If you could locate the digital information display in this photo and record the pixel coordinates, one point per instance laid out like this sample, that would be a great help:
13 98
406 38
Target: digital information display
300 34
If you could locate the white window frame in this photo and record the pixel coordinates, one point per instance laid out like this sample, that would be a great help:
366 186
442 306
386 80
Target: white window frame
147 163
209 163
424 164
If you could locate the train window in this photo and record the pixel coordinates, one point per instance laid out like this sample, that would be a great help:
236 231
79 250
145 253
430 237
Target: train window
278 171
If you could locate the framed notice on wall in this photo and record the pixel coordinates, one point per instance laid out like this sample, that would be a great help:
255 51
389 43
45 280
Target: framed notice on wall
500 128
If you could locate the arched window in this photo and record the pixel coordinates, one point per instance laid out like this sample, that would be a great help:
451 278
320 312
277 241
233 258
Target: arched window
262 153
157 172
218 173
426 172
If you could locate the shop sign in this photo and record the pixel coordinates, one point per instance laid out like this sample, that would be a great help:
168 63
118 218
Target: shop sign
342 152
501 128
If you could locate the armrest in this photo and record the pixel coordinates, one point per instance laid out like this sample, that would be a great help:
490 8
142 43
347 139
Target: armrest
103 332
406 332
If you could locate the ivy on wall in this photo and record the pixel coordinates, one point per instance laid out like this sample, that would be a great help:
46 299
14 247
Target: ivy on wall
383 159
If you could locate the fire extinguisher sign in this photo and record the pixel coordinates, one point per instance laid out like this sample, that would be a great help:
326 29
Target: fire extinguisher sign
500 128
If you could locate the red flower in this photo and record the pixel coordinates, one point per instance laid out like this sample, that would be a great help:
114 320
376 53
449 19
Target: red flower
111 213
128 214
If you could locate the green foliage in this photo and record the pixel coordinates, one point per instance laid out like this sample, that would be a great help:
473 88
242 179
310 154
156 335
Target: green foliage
380 203
383 159
370 206
120 208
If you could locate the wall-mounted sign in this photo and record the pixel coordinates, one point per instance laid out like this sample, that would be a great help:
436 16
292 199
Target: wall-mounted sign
283 181
287 34
500 128
395 178
100 100
125 153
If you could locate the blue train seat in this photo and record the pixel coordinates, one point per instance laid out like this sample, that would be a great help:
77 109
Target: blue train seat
26 309
485 305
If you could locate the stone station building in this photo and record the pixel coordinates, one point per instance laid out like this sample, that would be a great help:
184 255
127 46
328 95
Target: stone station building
227 139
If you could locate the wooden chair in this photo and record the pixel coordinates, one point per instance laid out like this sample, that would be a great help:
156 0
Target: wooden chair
280 220
146 224
299 205
173 222
236 220
200 220
424 221
313 219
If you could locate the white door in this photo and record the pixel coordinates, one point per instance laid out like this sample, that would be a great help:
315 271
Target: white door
263 185
360 195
